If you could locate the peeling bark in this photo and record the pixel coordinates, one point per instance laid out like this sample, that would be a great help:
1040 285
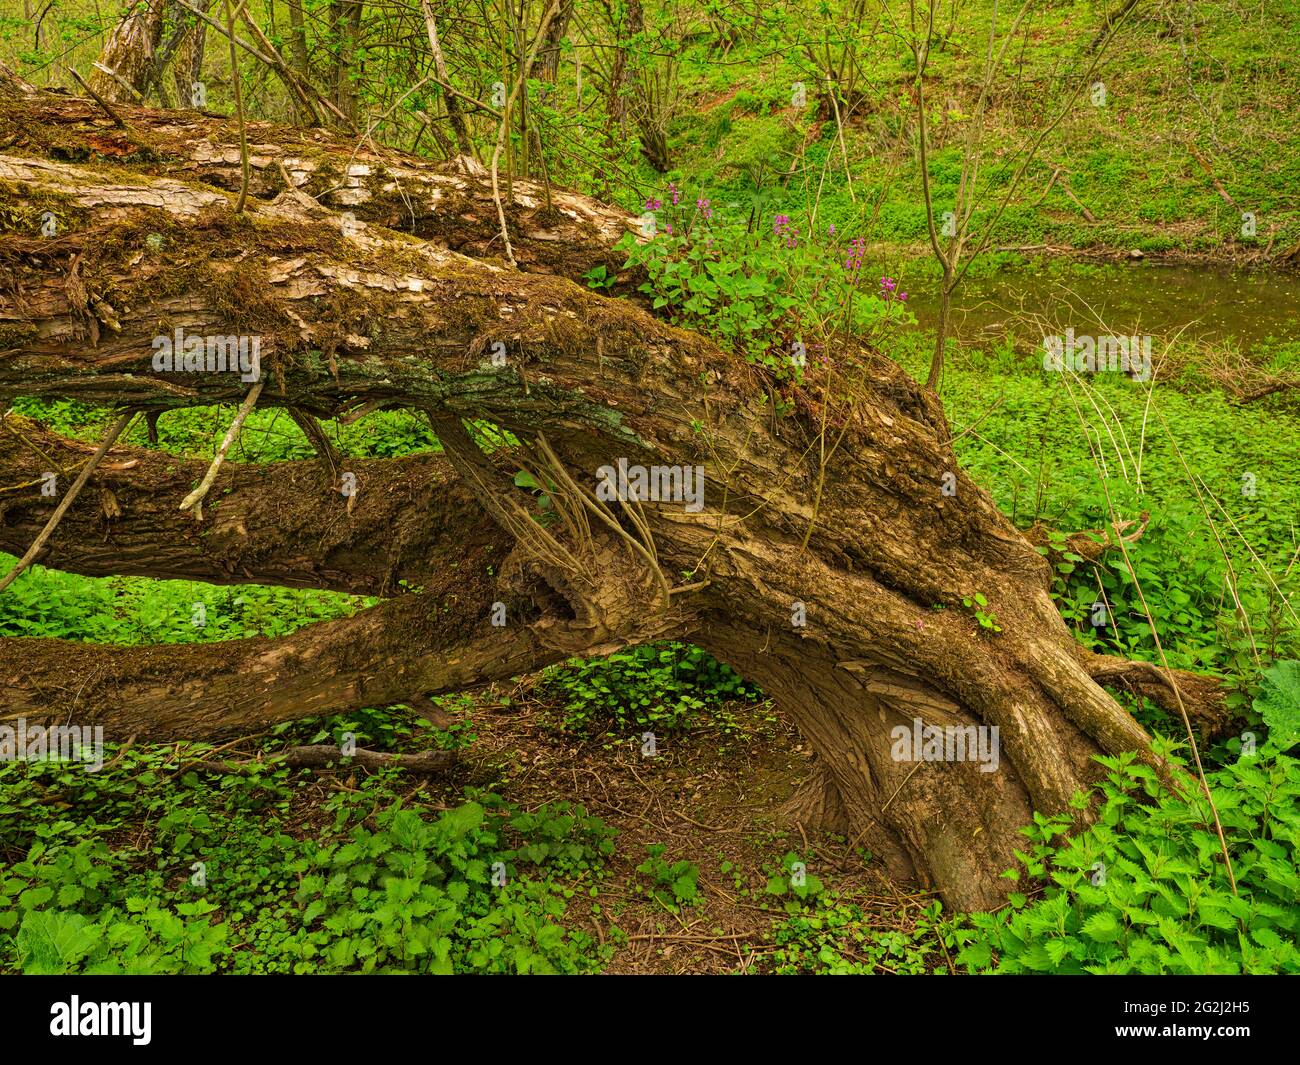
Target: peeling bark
126 61
448 204
837 589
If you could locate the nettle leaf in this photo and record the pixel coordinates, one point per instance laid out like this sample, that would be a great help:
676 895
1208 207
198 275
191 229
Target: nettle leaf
1278 702
34 898
1058 949
70 895
979 955
1103 927
50 942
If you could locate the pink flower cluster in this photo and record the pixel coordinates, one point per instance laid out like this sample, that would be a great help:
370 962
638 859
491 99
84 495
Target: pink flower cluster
782 228
853 261
888 291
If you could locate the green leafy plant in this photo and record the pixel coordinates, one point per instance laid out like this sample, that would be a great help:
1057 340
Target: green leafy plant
1144 889
653 686
758 285
1278 703
977 604
672 884
600 278
835 936
793 880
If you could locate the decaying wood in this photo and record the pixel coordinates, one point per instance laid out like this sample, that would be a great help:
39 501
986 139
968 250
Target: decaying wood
838 590
450 204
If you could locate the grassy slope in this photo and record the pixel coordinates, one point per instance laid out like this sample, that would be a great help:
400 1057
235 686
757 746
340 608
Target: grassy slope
1231 93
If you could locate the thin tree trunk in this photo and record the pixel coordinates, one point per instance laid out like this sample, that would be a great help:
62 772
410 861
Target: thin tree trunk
548 59
454 115
298 38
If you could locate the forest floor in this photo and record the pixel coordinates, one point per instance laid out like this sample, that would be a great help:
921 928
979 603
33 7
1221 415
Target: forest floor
711 796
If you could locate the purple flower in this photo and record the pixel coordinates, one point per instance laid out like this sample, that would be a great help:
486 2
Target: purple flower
652 204
779 223
888 291
831 231
676 194
703 207
853 261
669 230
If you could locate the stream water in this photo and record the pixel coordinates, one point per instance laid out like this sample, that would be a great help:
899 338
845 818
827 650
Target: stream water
1213 304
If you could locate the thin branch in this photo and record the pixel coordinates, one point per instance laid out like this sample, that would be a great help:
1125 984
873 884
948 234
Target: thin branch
195 498
117 119
501 129
67 500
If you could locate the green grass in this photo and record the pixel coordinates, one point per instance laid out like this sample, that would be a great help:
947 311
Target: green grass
1128 162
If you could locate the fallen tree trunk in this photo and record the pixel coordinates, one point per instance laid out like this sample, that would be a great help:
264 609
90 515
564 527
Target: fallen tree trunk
836 585
551 230
282 523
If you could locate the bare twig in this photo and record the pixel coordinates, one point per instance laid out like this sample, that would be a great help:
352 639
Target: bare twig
67 500
524 71
195 498
117 119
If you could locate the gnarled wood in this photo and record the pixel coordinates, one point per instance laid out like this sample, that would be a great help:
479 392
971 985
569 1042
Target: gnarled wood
838 589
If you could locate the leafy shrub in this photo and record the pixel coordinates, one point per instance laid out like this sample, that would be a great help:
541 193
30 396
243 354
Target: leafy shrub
655 686
431 897
793 881
130 610
133 935
759 286
483 887
837 937
673 884
1144 890
1278 704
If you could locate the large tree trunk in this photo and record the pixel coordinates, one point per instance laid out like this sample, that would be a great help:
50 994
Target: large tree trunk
449 204
873 553
125 64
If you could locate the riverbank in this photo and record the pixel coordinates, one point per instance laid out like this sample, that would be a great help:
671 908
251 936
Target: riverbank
1175 145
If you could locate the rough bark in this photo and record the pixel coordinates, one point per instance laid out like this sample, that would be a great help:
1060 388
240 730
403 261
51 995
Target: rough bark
280 523
548 59
126 61
298 38
869 550
449 204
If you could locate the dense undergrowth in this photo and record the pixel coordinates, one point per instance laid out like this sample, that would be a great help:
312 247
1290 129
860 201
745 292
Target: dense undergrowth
169 861
157 864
